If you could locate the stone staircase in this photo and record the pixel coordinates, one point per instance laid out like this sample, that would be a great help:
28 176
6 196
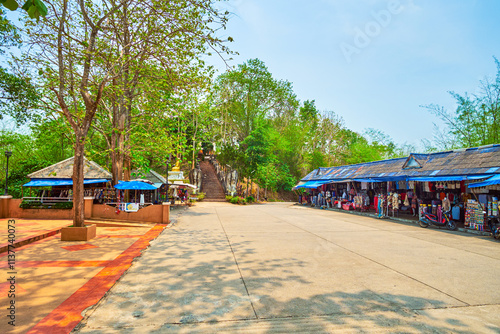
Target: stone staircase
210 184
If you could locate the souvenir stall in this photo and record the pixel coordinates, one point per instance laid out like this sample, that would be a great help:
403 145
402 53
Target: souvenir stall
181 191
366 198
437 194
308 192
336 195
484 206
410 186
54 184
138 200
351 195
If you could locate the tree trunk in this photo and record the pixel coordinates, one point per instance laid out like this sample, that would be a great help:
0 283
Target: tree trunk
78 187
194 149
121 110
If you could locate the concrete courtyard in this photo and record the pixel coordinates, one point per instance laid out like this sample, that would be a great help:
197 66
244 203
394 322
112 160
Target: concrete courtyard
284 268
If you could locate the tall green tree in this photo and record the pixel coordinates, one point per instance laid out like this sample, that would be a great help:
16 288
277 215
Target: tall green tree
476 119
17 93
68 51
106 53
158 59
247 94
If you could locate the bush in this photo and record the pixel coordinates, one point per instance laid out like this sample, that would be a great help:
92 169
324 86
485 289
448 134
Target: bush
63 205
238 200
201 196
229 198
40 205
27 205
250 199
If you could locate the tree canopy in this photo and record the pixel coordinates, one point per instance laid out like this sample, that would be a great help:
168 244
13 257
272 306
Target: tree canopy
34 8
476 119
273 139
126 84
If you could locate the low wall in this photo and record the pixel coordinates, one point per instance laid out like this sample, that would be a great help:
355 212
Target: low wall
16 212
9 208
151 214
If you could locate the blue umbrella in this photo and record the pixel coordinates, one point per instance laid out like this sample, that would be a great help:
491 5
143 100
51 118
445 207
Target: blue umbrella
134 185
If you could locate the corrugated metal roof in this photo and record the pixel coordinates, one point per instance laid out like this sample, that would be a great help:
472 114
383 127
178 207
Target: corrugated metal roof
470 161
64 169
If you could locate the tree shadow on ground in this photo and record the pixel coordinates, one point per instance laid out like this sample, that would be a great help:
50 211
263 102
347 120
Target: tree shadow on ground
179 293
191 281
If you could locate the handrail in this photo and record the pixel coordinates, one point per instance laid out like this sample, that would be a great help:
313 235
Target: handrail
52 199
225 174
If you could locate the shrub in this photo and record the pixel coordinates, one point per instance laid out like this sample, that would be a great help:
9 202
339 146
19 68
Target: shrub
201 196
40 205
27 205
237 200
250 199
229 198
63 205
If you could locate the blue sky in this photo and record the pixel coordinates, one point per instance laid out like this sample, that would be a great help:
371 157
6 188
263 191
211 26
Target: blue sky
373 62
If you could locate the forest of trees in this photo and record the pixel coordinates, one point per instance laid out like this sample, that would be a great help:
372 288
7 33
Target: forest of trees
126 84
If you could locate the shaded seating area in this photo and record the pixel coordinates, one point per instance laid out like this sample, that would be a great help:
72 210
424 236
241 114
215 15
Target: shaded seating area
53 184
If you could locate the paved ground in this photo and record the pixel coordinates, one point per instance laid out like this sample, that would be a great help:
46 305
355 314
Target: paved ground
23 231
283 268
56 281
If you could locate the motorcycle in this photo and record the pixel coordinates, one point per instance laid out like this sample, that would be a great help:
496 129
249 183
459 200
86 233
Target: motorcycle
494 225
429 219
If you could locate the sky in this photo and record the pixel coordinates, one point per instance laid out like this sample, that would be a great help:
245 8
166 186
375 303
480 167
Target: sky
375 63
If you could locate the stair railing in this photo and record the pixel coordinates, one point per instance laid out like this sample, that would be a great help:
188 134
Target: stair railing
228 177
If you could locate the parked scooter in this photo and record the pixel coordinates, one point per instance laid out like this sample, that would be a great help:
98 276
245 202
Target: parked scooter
494 225
429 219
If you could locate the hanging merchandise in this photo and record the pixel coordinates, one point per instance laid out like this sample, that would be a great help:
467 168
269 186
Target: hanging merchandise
446 204
474 217
407 202
381 206
395 201
455 212
493 207
414 205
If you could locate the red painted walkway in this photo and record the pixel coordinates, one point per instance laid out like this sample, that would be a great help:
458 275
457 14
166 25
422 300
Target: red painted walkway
113 250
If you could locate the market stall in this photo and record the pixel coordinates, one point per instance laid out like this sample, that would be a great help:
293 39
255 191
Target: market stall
54 184
410 186
485 204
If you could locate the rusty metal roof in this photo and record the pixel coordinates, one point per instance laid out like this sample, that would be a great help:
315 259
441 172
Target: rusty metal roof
464 162
64 170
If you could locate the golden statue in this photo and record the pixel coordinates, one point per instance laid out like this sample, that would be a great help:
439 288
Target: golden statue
177 167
